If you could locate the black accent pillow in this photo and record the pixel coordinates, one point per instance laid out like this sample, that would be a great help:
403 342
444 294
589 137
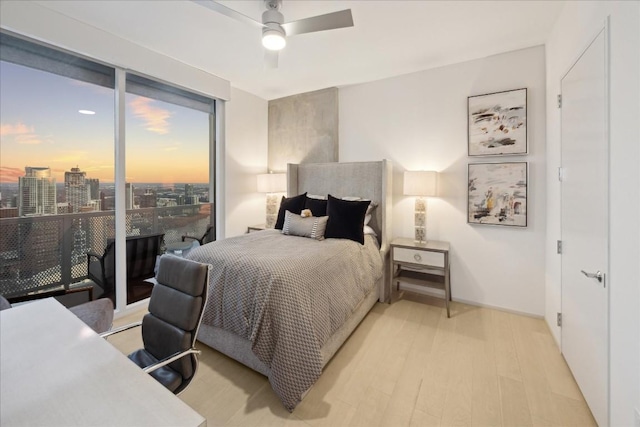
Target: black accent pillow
318 207
293 204
346 219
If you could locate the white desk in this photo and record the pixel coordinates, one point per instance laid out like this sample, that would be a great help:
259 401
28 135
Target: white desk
55 371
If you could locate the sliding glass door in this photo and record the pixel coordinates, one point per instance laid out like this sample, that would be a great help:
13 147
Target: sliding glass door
168 140
58 163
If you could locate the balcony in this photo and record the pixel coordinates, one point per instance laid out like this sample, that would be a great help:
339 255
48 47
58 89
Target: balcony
45 252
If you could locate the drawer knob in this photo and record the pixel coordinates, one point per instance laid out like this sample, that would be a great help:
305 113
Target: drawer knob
417 257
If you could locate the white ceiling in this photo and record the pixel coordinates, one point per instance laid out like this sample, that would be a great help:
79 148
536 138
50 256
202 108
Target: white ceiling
389 38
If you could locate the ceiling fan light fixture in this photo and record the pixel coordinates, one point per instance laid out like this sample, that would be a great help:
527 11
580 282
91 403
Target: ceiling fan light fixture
273 39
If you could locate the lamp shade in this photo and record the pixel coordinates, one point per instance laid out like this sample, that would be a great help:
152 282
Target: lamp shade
272 182
420 183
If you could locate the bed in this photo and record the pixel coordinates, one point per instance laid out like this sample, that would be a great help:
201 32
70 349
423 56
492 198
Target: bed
283 305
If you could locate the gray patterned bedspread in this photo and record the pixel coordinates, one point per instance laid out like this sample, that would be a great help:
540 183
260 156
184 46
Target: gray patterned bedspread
287 295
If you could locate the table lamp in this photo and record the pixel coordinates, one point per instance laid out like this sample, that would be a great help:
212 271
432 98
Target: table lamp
272 183
421 184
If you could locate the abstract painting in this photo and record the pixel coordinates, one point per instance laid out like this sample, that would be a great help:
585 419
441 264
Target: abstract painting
498 123
498 194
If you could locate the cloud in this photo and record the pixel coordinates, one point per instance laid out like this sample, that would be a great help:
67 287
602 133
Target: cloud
20 133
8 174
157 119
16 129
172 146
30 139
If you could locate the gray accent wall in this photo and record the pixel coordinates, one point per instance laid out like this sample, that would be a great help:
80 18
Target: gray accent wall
303 129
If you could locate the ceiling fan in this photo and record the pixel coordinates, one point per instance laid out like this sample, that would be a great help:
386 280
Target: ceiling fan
275 30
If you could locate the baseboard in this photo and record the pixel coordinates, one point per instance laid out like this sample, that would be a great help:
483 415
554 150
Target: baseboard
440 294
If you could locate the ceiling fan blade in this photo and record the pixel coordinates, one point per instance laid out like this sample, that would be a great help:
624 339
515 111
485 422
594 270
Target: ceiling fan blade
217 7
329 21
270 58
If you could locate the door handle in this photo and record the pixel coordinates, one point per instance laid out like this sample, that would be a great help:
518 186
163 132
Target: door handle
598 275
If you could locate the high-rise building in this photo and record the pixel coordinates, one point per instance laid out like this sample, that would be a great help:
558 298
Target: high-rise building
36 192
189 197
94 188
128 196
77 189
148 199
108 203
8 212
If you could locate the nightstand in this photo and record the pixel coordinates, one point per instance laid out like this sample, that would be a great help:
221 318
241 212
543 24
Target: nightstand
256 227
416 263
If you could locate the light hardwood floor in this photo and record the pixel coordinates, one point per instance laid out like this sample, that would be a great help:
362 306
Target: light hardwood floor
406 365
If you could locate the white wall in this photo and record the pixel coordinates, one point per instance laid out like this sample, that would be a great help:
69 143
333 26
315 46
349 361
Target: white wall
419 121
578 23
246 156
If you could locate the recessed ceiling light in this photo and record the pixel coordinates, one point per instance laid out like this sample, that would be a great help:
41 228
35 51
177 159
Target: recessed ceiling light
88 112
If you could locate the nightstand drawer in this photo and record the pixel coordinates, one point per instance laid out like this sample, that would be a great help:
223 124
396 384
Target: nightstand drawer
433 259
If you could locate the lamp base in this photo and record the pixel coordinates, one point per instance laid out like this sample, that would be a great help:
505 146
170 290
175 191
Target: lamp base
272 210
420 220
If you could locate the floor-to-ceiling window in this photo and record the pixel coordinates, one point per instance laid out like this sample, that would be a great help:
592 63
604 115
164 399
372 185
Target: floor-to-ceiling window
56 154
168 138
57 179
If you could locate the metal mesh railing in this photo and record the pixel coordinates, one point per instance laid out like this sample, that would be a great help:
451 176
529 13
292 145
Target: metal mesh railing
42 252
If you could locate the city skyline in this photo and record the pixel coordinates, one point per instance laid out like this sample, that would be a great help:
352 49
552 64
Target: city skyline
167 143
38 193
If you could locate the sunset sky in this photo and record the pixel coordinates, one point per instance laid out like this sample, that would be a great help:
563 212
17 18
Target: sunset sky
40 126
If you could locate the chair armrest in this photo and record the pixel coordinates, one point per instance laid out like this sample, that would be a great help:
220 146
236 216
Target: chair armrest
189 237
170 359
121 329
95 255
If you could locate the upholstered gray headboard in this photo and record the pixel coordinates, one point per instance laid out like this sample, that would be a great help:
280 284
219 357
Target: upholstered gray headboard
369 180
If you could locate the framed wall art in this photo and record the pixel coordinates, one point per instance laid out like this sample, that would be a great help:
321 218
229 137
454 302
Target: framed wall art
498 194
497 123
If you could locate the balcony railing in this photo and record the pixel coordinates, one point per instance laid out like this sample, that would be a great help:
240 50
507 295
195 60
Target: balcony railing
42 252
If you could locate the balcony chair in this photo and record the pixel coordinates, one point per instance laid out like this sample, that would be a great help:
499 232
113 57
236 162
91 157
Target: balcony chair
169 329
206 237
141 254
98 314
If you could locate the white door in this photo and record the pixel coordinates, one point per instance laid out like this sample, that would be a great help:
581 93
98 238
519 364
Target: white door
585 230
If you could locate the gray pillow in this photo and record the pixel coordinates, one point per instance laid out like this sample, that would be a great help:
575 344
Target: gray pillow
312 227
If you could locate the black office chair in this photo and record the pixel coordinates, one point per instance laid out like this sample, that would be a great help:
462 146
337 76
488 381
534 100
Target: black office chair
206 237
170 328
